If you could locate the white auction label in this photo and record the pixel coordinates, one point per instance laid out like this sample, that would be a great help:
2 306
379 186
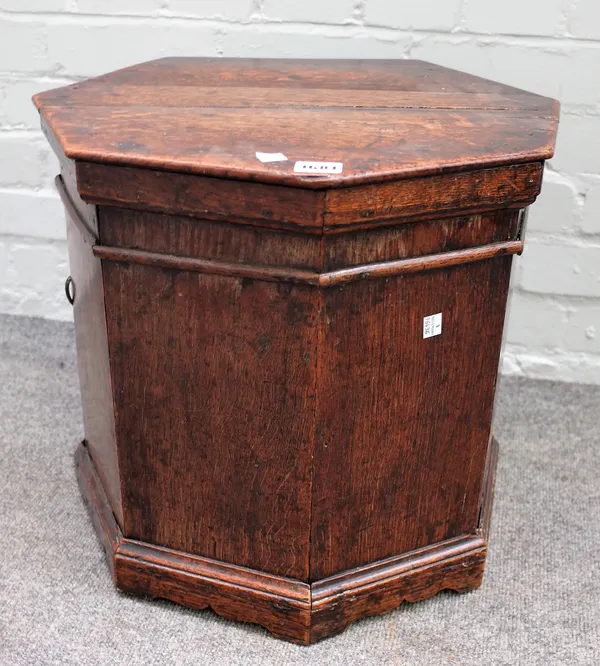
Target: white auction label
432 325
317 168
271 157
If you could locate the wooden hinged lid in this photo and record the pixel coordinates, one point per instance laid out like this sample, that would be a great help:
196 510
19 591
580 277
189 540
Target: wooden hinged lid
384 120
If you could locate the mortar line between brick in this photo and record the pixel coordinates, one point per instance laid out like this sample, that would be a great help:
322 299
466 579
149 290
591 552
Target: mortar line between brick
66 18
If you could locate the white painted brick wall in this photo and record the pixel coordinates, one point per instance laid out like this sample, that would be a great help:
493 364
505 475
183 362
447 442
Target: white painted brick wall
586 20
515 17
590 223
548 46
307 10
421 15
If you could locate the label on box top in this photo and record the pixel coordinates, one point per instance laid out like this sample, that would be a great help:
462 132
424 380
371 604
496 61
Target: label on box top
432 325
271 157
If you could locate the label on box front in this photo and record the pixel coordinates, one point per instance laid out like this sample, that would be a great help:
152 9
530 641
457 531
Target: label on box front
318 168
432 325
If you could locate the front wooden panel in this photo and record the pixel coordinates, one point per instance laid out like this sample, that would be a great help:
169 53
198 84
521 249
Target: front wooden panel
192 237
404 422
214 389
221 241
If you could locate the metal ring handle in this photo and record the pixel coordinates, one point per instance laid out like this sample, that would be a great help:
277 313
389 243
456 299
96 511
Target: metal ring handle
70 290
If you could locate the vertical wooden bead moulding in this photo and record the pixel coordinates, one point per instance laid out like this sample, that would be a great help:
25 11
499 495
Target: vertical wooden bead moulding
269 431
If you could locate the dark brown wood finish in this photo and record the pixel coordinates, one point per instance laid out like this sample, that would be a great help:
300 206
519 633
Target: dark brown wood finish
455 564
402 434
183 236
183 244
92 357
268 433
227 430
406 240
90 334
380 119
223 242
90 331
208 266
306 211
209 198
428 262
437 196
99 506
406 76
281 605
289 609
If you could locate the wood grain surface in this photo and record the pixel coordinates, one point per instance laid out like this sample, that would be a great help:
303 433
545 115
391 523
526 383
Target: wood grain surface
403 429
200 246
436 196
279 604
214 395
185 236
289 609
414 239
384 120
184 366
200 197
95 379
305 211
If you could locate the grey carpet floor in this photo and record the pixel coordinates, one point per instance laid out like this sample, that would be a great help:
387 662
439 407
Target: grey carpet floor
539 604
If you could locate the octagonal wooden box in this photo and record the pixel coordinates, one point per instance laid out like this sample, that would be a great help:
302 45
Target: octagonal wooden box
288 380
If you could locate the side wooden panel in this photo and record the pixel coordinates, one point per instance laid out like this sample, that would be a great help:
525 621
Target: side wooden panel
98 505
91 338
90 328
403 429
215 381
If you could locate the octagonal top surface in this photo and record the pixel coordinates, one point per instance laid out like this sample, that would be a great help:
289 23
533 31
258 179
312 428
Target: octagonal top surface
382 119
